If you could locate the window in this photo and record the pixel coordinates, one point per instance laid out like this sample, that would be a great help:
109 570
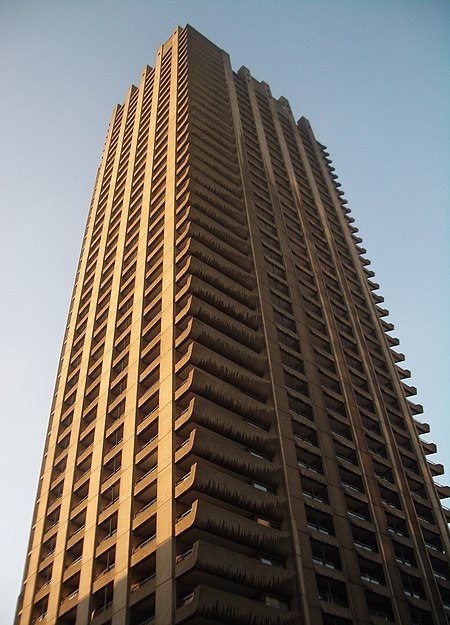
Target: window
396 525
262 487
424 513
364 539
267 522
325 555
441 569
282 303
110 496
270 560
420 617
338 427
309 461
404 555
105 562
103 598
329 619
276 602
292 361
319 521
371 572
287 339
275 269
351 480
314 490
379 606
278 286
270 253
357 509
432 540
296 383
347 454
390 498
304 433
412 586
300 407
284 321
383 472
40 609
44 577
331 591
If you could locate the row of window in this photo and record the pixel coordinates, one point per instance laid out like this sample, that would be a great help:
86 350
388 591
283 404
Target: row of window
270 246
247 412
109 492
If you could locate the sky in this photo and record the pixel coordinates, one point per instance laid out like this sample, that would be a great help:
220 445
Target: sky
370 75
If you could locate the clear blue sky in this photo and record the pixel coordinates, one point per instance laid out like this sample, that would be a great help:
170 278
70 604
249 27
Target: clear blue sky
370 75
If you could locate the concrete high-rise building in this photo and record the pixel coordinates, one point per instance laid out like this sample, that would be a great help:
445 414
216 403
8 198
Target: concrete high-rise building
231 441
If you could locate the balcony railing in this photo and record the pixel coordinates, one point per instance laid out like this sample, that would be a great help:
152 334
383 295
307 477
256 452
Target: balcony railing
145 507
144 543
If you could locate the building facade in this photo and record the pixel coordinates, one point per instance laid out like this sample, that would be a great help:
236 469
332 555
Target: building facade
231 439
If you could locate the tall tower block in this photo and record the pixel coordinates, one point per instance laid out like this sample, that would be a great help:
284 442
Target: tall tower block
231 439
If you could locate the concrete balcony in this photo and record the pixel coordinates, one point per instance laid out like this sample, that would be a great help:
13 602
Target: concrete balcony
252 497
204 444
210 603
422 428
428 448
217 280
442 491
229 424
224 345
410 391
204 214
225 370
202 233
446 514
233 320
207 563
212 388
403 373
203 253
231 530
415 408
199 213
396 356
435 468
